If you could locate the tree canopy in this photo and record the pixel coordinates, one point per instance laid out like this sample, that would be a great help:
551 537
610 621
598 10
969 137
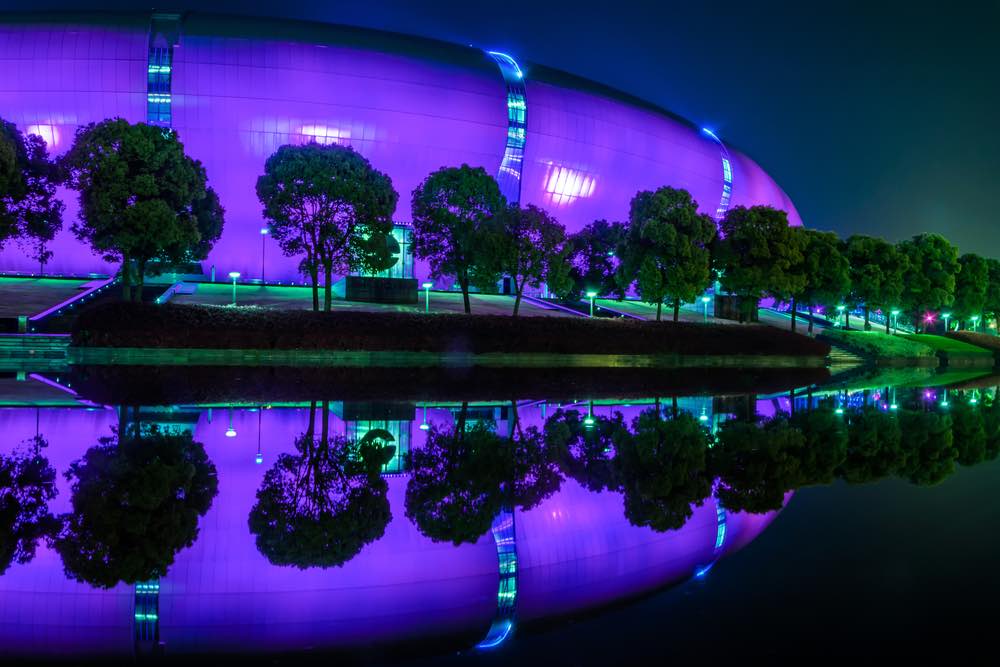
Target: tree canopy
30 213
136 502
826 270
27 484
593 260
929 280
971 287
666 250
140 197
585 452
328 204
450 210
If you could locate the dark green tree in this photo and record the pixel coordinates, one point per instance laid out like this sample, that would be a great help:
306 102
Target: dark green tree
877 269
593 261
991 306
528 245
136 502
30 213
971 286
329 205
827 275
666 249
929 281
140 197
825 446
587 452
664 470
756 465
321 506
450 210
27 484
929 447
758 256
991 425
874 446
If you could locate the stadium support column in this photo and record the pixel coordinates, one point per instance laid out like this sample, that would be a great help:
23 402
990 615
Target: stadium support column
509 174
164 33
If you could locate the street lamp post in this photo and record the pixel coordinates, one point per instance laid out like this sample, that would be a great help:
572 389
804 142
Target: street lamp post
895 321
946 317
975 322
427 296
591 296
704 302
840 312
264 231
234 275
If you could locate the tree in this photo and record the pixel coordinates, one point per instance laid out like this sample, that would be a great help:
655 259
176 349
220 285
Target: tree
825 444
327 203
932 265
929 446
136 502
27 484
139 196
587 452
877 269
528 245
664 470
29 210
971 287
991 305
320 508
666 249
826 270
593 261
758 256
450 209
968 433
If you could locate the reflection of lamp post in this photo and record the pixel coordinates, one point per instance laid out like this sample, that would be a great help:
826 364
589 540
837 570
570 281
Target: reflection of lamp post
427 297
234 275
260 456
264 231
944 399
588 421
424 425
591 296
840 311
230 432
895 321
704 301
975 322
946 317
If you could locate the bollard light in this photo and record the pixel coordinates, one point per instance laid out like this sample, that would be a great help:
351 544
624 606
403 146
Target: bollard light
427 296
591 295
234 275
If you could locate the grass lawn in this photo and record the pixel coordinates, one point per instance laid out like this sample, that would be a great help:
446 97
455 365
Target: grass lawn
985 341
879 344
300 298
947 345
30 296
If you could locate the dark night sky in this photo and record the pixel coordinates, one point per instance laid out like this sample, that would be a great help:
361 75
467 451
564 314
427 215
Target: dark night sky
874 117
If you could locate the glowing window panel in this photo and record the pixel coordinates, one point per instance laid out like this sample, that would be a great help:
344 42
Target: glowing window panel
164 30
564 185
48 133
147 612
727 177
324 134
509 173
503 622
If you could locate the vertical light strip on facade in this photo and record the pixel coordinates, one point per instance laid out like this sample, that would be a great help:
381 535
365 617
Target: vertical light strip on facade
147 613
503 624
509 174
727 177
164 30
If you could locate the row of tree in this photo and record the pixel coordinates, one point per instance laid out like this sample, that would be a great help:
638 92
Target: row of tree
137 496
146 204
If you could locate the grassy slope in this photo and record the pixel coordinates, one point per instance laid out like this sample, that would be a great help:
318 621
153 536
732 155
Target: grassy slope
982 340
947 345
878 344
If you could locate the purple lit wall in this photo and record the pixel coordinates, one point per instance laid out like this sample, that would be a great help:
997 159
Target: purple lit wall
241 88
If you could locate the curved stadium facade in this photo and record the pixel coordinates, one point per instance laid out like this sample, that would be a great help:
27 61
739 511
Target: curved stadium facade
236 89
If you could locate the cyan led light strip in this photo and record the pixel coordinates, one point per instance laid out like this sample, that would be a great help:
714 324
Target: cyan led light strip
509 174
727 177
147 612
503 624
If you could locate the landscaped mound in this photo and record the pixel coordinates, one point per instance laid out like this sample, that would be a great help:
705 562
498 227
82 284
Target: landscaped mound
949 346
878 345
985 341
179 326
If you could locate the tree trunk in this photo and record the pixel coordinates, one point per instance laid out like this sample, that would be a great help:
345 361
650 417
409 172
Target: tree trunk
126 278
810 321
518 290
463 282
659 309
868 326
847 319
325 436
793 314
673 406
677 310
327 288
314 276
312 420
887 323
791 401
140 283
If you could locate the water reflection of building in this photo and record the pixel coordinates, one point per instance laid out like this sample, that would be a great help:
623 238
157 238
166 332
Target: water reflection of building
575 551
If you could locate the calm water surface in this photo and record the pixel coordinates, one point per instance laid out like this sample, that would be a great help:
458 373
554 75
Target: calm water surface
828 520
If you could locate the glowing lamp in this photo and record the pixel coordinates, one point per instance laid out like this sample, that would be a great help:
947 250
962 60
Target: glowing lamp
230 432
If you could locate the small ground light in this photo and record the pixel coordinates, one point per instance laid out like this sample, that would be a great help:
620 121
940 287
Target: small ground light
591 295
427 296
705 300
234 275
839 411
588 421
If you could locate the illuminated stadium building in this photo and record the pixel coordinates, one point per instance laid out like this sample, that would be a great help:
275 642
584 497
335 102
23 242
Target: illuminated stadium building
236 89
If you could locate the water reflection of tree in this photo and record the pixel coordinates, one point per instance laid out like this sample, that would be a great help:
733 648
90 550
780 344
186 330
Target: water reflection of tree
757 464
929 451
136 502
874 446
27 484
587 452
320 507
463 476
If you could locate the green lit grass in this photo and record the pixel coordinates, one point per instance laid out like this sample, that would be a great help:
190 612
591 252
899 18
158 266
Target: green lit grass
947 345
878 344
